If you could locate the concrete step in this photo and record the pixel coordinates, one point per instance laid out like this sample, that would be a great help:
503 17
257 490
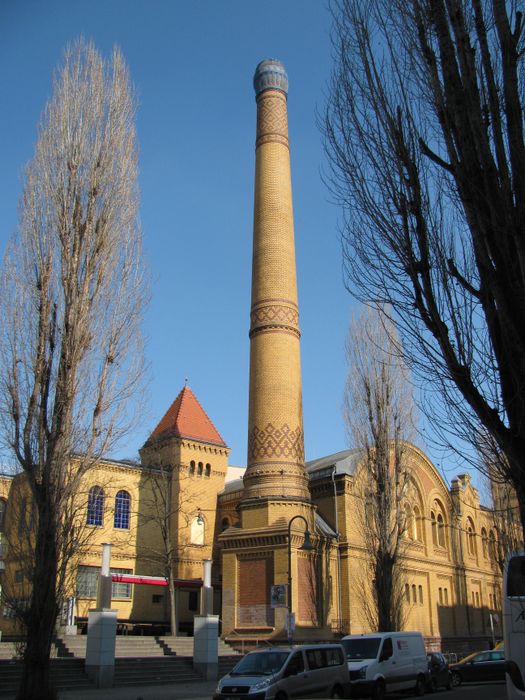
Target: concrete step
154 671
131 647
67 674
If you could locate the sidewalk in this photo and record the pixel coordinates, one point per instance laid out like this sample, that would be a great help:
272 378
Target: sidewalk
195 690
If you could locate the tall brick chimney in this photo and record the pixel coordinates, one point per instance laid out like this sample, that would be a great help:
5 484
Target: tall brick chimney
275 424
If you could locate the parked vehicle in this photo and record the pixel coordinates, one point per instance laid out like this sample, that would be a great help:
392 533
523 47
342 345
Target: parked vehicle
438 672
386 662
514 624
479 666
281 673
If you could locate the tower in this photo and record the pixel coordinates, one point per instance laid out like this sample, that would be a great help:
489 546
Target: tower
262 552
275 423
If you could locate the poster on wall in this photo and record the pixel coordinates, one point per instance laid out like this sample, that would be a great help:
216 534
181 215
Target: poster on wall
278 596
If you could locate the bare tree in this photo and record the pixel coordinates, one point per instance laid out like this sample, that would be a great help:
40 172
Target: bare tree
506 534
72 294
424 134
168 510
379 418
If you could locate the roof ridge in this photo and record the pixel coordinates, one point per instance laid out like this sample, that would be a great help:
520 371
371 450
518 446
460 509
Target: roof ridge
186 418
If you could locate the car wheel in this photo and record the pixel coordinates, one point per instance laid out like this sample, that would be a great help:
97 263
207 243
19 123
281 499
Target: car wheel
456 679
281 696
379 691
337 692
419 688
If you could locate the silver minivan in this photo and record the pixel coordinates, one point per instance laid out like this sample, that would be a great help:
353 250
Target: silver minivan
283 673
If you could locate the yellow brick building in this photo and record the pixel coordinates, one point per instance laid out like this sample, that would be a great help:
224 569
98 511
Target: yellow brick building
451 575
253 528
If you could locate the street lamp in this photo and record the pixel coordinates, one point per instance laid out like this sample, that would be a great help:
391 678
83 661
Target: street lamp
306 546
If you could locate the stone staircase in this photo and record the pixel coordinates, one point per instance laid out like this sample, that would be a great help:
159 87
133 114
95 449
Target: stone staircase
67 674
138 661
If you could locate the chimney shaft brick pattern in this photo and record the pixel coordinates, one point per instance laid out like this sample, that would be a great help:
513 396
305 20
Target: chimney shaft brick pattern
275 424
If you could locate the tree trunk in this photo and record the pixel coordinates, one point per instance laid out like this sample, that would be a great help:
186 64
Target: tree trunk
41 617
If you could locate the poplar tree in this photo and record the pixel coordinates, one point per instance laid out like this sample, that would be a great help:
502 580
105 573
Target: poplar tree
72 295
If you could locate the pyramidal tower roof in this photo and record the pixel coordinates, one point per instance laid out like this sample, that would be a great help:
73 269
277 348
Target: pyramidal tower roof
186 418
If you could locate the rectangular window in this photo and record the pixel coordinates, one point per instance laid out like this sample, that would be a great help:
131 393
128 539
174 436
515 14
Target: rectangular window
87 581
87 578
157 599
121 590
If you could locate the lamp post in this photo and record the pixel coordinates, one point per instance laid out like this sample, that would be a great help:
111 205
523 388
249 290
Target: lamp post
306 546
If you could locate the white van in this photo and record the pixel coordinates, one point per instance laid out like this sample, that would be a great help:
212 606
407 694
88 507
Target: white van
282 673
386 662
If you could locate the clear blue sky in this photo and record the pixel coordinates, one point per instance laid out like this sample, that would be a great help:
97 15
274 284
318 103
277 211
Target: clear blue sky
192 64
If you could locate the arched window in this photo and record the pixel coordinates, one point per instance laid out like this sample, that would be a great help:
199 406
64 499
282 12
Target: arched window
225 524
197 530
192 467
208 470
407 592
420 591
484 541
409 524
440 596
418 532
199 469
3 508
434 528
492 545
445 591
471 538
95 509
122 508
414 594
441 530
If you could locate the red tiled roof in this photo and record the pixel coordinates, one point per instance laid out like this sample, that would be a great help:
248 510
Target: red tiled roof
186 418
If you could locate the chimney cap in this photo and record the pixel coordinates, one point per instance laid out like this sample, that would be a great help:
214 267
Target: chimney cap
270 75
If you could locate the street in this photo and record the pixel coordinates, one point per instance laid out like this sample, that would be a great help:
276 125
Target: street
492 690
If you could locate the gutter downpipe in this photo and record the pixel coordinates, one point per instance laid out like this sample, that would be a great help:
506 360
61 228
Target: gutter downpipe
339 575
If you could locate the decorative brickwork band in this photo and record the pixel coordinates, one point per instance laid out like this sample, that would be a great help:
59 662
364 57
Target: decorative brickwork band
272 118
267 316
276 442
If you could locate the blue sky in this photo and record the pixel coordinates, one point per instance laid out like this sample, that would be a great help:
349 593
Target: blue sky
192 64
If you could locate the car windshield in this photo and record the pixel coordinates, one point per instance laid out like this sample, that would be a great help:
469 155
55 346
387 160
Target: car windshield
264 663
361 648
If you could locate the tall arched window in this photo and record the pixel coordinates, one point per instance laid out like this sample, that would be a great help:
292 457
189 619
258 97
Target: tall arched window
492 546
441 530
225 524
122 508
208 470
407 592
95 509
484 543
471 538
192 467
434 528
409 522
3 508
418 532
199 469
